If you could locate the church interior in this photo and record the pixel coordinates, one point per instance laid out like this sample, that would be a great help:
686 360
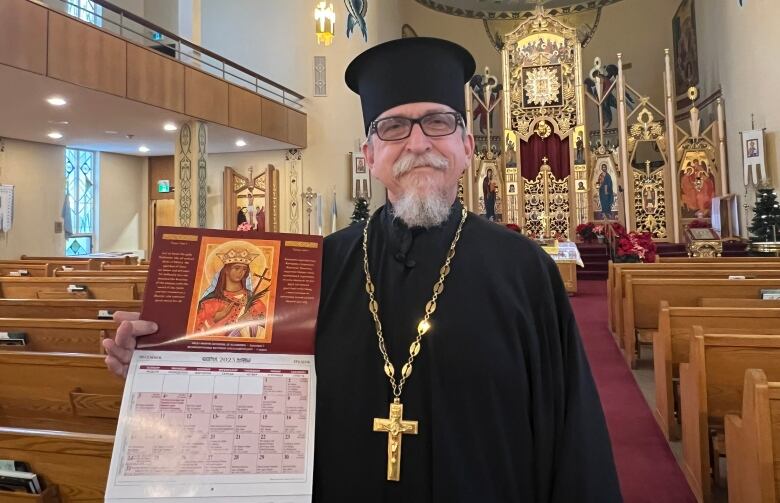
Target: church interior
635 141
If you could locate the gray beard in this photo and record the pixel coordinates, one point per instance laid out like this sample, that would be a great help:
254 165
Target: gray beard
418 208
428 211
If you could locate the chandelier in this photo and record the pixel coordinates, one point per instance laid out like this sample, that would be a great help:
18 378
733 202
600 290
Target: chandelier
325 18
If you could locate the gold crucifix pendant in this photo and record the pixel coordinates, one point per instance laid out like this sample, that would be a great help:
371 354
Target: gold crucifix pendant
395 427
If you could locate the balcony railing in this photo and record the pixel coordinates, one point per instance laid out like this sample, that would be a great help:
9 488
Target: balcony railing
138 30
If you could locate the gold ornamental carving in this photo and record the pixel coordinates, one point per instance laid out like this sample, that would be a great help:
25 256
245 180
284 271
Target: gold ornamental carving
650 202
646 128
543 129
542 86
540 75
705 249
546 204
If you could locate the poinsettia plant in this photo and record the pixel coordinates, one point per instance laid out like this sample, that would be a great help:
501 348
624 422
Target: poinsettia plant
633 246
245 227
590 232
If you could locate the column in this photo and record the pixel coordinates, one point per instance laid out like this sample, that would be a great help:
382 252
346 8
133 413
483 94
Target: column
190 165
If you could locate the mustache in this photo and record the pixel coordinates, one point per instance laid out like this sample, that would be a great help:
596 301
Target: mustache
409 161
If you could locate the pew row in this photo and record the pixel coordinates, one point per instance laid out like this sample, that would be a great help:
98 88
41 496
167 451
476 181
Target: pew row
615 280
113 259
753 442
644 295
711 387
64 308
72 392
75 463
672 341
21 269
761 303
102 274
130 288
59 336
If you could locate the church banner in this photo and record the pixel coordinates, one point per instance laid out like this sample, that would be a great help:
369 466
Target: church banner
753 157
219 404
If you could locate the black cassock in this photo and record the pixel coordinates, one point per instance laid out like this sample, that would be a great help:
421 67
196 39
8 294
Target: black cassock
502 391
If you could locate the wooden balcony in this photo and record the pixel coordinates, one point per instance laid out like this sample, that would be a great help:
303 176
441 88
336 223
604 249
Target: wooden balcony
38 39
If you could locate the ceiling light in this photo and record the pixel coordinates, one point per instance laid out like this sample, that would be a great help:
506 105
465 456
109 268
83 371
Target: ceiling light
55 135
57 101
59 123
240 143
169 126
143 148
111 132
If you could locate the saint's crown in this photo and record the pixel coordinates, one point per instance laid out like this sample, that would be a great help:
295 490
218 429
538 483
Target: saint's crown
237 256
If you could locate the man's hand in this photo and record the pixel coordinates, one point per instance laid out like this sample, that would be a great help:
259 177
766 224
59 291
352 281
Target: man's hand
120 349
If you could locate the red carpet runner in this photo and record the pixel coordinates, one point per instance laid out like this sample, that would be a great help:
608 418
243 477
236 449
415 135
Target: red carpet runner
647 469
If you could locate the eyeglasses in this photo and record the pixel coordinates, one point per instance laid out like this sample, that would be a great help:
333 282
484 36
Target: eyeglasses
433 125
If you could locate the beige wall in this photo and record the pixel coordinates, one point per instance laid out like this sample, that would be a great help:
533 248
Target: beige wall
283 47
737 51
37 171
122 214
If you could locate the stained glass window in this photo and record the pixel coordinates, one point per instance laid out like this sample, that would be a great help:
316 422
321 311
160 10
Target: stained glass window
86 10
79 211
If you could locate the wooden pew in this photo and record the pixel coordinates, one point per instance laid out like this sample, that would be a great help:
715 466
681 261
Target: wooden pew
119 259
26 270
75 463
672 341
711 387
58 391
66 336
715 273
714 302
644 295
753 442
101 274
78 265
616 281
64 308
704 260
123 267
130 288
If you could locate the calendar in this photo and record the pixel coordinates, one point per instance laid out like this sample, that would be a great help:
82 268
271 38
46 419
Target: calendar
219 404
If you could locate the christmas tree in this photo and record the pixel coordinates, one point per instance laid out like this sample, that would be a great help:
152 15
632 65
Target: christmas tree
361 211
766 219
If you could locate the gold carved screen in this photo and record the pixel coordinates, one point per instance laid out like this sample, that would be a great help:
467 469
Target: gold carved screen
541 70
251 199
542 110
546 205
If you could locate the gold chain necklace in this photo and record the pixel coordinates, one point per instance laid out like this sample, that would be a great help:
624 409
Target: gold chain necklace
395 426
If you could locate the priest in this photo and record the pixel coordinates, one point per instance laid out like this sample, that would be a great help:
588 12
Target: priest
449 364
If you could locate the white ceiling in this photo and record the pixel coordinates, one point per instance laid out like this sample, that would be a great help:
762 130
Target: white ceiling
25 115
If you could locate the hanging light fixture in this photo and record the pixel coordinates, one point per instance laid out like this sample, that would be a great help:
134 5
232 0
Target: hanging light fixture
325 18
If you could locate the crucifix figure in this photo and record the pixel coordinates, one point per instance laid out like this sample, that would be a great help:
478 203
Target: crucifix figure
395 427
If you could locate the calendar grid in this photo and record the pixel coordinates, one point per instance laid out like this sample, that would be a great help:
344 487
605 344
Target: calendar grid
222 422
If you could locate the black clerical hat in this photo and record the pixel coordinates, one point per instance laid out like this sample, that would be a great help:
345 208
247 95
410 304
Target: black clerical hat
410 70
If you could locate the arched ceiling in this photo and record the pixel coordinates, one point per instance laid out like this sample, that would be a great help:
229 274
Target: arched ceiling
511 9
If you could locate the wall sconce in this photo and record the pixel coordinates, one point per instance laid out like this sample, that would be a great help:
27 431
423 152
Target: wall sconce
325 18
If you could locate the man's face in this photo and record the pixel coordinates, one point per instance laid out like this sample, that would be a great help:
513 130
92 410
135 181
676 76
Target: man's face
236 272
422 180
